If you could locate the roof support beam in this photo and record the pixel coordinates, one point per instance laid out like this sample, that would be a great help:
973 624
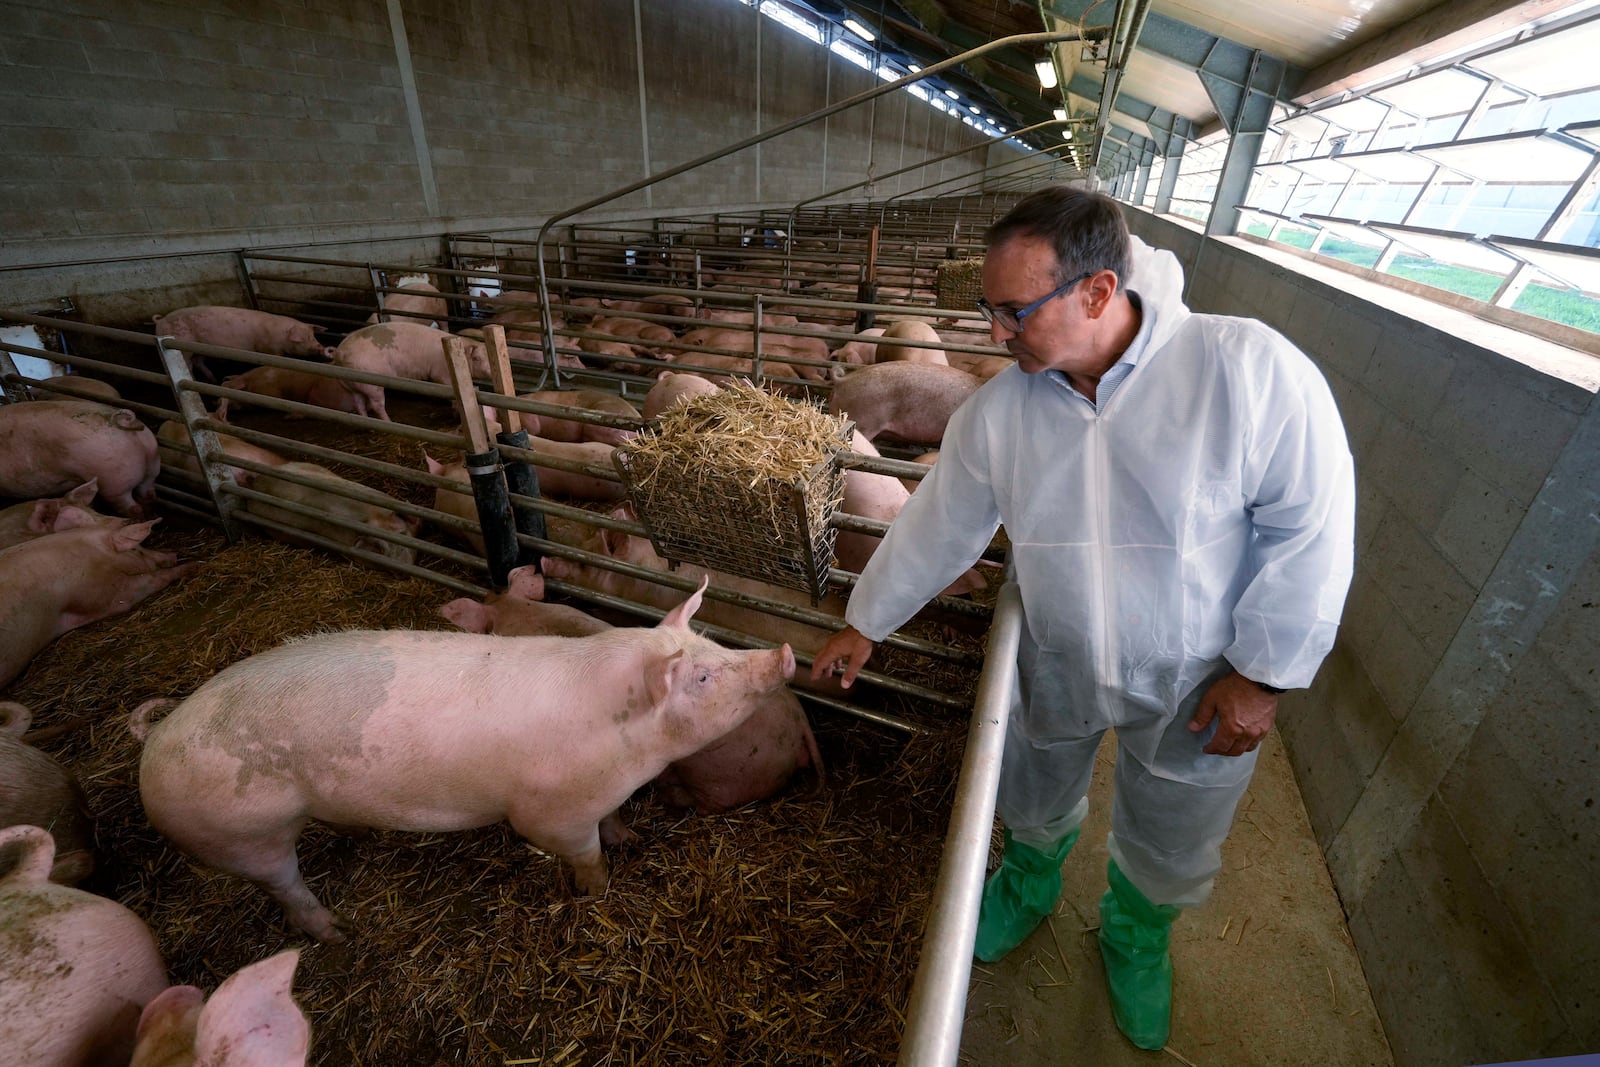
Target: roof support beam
1444 28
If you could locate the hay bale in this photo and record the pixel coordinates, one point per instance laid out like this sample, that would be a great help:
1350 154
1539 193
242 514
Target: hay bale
959 283
741 481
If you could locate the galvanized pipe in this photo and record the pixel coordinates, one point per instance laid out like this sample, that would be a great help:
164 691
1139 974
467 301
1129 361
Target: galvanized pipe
939 992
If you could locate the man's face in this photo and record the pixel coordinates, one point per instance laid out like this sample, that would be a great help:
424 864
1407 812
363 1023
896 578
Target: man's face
1059 335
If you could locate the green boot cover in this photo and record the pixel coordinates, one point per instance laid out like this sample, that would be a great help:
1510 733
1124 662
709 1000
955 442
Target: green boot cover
1019 894
1133 944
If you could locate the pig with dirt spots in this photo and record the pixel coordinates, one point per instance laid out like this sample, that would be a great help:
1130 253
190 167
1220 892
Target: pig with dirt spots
282 383
82 984
246 328
752 762
400 350
437 731
50 446
75 969
36 518
35 790
55 584
908 400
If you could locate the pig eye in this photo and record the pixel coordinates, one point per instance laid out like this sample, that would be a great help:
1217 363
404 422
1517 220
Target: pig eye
705 676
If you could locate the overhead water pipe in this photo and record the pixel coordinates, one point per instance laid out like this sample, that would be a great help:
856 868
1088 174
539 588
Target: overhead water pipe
1124 37
1019 39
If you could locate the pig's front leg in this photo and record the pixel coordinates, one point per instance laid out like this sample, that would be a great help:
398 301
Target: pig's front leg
580 847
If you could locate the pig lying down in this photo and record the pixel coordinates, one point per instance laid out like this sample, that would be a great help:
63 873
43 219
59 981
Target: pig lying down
52 446
403 730
35 790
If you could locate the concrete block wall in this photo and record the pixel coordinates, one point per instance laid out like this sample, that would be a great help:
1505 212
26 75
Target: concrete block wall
159 127
1449 752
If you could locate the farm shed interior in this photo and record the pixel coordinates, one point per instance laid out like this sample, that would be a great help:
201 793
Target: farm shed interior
1407 193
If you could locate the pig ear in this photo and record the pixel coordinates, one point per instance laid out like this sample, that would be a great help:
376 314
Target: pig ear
14 718
253 1008
132 535
42 519
468 614
84 495
680 615
660 675
525 582
73 519
434 466
167 1026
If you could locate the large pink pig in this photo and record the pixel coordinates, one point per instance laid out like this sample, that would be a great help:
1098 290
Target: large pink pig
419 731
911 401
552 481
58 583
50 446
35 790
754 761
895 348
174 435
246 328
24 522
400 350
75 969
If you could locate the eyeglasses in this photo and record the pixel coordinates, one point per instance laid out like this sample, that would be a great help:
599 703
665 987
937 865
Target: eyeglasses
1010 320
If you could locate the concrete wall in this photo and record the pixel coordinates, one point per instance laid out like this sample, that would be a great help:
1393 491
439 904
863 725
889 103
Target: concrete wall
153 128
1449 753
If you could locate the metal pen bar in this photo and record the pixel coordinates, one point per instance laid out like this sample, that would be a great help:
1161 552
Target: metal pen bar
939 992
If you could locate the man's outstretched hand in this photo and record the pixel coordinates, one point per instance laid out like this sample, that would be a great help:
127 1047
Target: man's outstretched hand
847 648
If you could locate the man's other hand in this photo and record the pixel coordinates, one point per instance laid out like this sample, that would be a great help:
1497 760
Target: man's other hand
1244 713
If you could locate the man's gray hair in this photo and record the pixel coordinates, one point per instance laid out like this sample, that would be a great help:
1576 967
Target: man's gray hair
1086 229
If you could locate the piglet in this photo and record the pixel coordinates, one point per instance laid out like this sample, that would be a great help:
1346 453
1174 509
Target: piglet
752 762
24 522
35 790
435 731
58 583
50 446
75 969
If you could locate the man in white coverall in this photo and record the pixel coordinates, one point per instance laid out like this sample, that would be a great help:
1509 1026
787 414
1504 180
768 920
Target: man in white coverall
1180 502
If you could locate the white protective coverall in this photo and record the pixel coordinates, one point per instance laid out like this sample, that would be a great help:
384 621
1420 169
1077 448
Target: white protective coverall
1203 520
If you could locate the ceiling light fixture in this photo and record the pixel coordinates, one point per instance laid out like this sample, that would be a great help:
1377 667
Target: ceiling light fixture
952 94
913 67
1060 114
867 35
1046 71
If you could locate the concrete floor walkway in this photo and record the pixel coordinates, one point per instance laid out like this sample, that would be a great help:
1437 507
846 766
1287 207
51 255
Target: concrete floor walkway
1265 971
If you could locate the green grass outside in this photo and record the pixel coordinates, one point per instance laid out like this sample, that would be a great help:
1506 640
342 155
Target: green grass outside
1557 305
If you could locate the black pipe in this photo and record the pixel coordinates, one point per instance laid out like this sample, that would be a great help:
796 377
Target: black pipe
523 480
866 293
494 515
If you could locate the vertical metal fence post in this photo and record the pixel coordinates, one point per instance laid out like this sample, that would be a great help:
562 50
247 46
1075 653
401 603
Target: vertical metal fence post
207 448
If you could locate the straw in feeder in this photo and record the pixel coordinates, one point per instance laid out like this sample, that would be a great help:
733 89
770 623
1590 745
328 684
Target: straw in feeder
741 481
